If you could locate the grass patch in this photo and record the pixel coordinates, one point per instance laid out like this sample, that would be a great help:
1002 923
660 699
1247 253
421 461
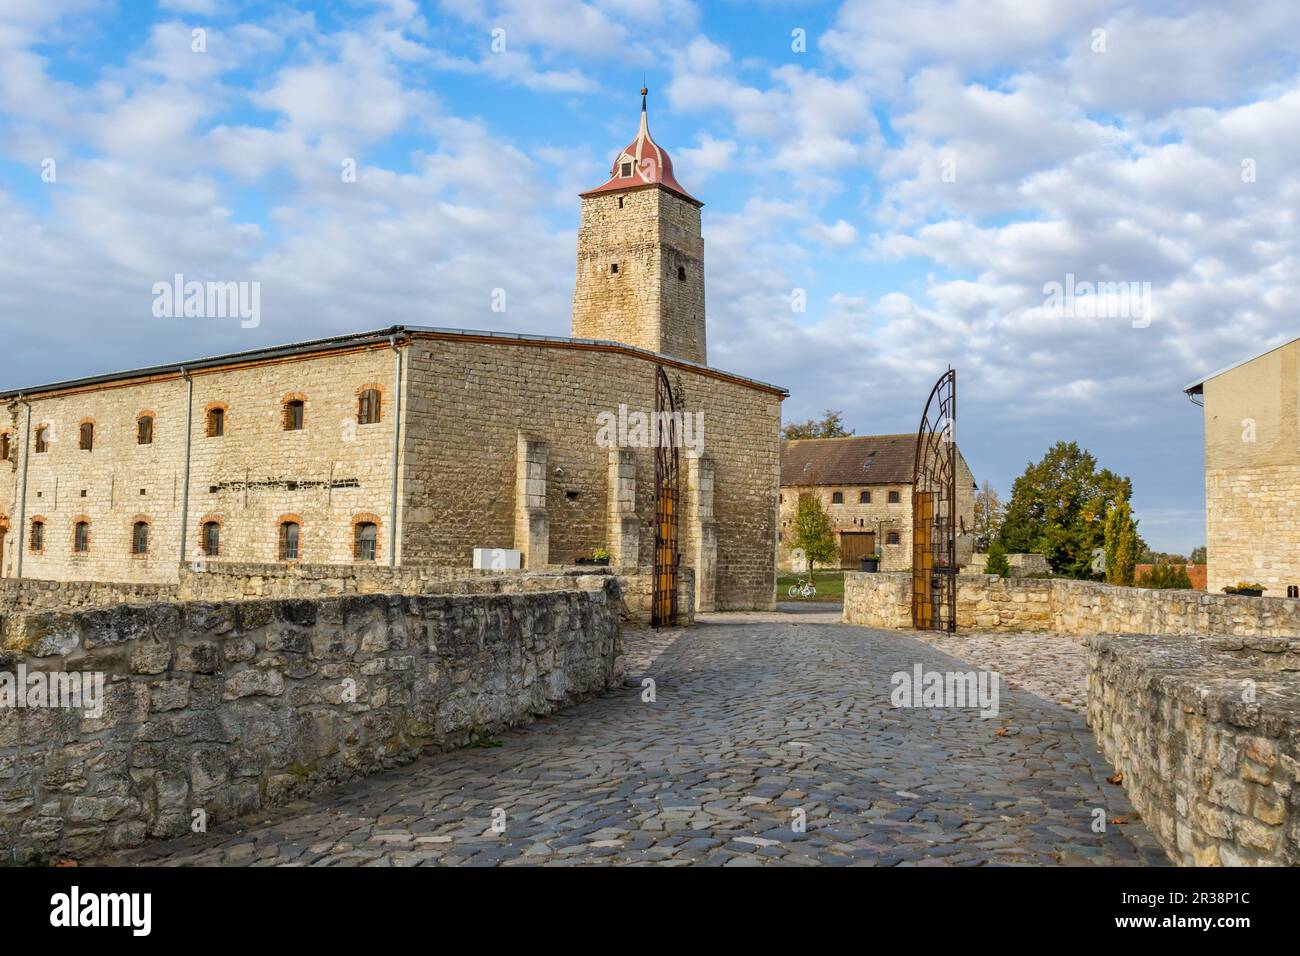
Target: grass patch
829 585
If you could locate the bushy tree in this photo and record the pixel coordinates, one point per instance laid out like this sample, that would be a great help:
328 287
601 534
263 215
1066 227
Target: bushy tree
829 426
1121 544
812 532
1058 508
988 517
1165 576
1198 555
996 562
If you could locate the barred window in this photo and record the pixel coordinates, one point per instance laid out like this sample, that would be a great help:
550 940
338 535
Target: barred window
211 539
891 538
366 538
289 534
81 537
216 422
38 535
140 537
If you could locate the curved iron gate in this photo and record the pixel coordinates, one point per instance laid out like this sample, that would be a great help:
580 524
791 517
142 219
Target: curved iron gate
934 510
664 607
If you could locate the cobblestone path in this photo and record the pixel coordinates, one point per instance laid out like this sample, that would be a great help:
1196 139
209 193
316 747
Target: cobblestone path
759 720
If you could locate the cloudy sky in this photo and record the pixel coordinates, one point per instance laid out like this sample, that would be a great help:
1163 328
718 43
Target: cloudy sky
920 171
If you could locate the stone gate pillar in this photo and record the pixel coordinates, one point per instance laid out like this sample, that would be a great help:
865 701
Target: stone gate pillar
702 532
532 522
624 530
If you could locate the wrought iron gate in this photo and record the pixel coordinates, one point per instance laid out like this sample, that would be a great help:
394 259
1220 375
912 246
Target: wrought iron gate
664 607
934 510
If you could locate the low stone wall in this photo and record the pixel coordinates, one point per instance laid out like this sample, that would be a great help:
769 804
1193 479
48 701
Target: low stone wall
28 593
1207 735
224 708
987 602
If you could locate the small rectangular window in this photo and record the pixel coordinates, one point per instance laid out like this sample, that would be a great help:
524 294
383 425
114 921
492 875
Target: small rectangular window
626 170
837 498
864 498
891 538
893 498
613 268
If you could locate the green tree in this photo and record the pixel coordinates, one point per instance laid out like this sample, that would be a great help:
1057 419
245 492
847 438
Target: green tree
988 517
829 426
1198 555
1121 544
1058 508
1165 576
997 563
812 532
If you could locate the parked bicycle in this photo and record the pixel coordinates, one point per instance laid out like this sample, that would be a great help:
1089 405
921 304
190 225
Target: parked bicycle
802 589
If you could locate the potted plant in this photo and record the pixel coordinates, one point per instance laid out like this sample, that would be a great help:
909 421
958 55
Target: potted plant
1245 589
598 557
870 563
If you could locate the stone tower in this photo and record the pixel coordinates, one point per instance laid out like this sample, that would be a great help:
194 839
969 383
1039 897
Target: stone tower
641 256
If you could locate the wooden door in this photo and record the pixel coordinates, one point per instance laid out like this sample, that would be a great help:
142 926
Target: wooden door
855 545
922 559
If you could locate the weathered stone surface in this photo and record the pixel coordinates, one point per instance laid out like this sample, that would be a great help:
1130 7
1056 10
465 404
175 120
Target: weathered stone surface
232 712
1207 739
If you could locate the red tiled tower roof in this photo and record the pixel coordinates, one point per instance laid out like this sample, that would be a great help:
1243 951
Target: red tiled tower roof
643 163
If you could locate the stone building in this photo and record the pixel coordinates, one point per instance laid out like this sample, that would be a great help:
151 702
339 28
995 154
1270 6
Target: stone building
1252 471
864 483
413 445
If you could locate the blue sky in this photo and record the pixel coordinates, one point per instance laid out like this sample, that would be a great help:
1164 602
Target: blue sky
920 170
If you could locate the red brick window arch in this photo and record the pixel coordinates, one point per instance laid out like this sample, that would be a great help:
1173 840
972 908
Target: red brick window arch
293 412
214 419
365 537
289 538
370 404
81 535
210 536
144 428
141 529
86 434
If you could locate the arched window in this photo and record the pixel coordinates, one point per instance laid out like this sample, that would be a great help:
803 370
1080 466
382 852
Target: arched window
5 446
369 406
212 539
837 497
140 537
81 537
290 532
216 422
86 439
293 414
365 541
42 439
681 273
144 430
864 497
37 540
893 498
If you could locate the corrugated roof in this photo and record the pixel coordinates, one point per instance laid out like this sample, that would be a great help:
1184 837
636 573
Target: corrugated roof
857 460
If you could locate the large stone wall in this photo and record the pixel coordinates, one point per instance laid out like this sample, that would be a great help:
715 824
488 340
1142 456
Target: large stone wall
472 400
987 602
225 708
1252 472
1207 736
329 473
29 593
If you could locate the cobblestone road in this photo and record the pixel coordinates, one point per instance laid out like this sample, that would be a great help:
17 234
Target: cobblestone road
759 720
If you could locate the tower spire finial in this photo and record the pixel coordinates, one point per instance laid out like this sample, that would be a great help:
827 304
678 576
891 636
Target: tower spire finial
644 91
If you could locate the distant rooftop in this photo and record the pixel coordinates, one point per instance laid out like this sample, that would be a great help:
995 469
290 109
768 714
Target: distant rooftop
856 460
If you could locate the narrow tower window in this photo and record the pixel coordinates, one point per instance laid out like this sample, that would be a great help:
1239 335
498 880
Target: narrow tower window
87 442
81 537
211 539
681 273
140 537
144 430
613 268
289 541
